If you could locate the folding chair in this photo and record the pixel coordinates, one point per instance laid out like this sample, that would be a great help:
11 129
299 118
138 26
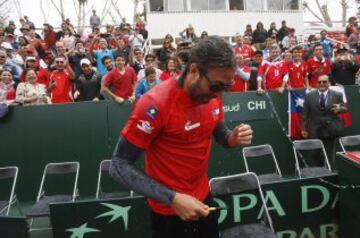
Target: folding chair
349 141
259 151
41 207
306 145
100 194
9 173
237 184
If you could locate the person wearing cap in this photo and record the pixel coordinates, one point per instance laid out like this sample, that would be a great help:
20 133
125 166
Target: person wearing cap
88 84
94 20
43 76
327 44
344 68
10 29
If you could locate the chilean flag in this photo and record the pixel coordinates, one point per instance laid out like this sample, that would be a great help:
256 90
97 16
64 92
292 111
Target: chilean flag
296 105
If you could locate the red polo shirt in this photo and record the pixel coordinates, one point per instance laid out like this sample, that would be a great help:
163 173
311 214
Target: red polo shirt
122 85
273 73
245 50
176 135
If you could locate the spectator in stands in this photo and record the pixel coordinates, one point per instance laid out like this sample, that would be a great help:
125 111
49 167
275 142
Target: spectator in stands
283 31
351 26
317 65
68 39
259 36
289 40
23 43
137 61
4 64
172 70
204 35
7 87
354 38
108 63
240 48
99 54
149 62
344 68
76 55
254 66
30 91
61 80
273 72
165 53
148 82
120 83
28 22
248 31
10 29
136 40
327 44
242 76
49 36
268 43
88 84
43 76
273 32
35 43
298 73
94 20
188 34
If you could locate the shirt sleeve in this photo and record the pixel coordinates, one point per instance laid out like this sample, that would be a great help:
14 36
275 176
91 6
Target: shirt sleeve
108 79
144 124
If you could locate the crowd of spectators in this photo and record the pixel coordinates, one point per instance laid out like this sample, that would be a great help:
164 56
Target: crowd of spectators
112 64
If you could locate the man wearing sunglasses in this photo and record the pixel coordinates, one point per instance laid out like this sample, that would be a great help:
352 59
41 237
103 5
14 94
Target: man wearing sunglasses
174 123
320 106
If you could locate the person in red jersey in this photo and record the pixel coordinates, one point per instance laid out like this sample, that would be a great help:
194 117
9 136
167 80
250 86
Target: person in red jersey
240 48
42 74
122 80
273 73
298 75
61 81
242 76
317 65
174 123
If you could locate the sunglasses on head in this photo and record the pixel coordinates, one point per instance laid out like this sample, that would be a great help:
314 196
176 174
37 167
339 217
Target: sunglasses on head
218 86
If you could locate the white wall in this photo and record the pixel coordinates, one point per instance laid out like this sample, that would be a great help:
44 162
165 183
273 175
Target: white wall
219 23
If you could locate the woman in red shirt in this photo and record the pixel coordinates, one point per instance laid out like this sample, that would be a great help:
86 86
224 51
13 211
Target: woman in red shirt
7 86
172 70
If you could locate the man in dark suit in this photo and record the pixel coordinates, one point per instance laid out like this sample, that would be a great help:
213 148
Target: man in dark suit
320 105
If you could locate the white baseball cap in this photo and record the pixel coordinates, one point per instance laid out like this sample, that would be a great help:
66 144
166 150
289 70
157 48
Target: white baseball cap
85 61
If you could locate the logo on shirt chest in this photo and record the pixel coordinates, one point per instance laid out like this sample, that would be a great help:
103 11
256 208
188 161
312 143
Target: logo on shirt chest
191 126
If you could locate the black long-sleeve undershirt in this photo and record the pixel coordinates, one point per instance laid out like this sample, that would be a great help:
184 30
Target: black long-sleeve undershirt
124 171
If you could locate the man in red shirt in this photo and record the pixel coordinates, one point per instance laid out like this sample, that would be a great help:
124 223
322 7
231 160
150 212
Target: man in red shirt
273 73
298 74
174 123
318 65
122 80
61 81
242 76
240 48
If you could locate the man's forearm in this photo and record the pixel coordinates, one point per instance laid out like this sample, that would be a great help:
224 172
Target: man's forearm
123 170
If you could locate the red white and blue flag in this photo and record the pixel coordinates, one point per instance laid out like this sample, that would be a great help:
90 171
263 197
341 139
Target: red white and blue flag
296 105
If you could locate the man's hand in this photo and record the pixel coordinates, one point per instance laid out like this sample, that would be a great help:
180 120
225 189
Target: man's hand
76 94
241 135
280 90
335 108
131 99
305 134
260 91
119 100
189 208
